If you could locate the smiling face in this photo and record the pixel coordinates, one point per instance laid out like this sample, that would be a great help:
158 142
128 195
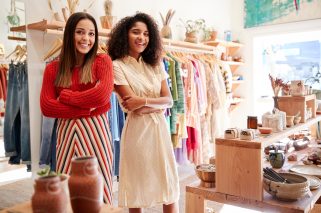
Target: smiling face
84 37
138 38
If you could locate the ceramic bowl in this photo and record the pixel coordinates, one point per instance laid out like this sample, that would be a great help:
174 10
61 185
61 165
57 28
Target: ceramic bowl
298 188
265 130
206 173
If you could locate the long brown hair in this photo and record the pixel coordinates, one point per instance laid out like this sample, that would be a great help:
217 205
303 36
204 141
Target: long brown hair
67 58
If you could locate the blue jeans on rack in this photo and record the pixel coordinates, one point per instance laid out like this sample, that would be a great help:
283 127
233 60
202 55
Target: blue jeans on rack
48 143
16 122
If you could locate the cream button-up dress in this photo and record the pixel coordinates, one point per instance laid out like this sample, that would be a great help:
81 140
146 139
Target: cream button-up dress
148 173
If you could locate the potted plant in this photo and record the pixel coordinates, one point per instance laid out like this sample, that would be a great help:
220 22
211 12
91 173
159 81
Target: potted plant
107 20
193 28
166 31
46 172
210 34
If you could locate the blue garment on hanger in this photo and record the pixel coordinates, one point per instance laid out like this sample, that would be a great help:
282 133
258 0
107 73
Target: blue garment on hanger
116 119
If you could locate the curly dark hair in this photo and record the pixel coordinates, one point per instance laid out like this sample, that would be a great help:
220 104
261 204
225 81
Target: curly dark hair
118 46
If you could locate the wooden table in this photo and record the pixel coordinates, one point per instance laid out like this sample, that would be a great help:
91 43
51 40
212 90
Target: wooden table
26 208
196 197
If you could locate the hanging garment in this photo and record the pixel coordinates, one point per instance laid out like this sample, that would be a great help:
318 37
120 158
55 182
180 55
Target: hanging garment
148 174
116 119
48 143
74 140
17 133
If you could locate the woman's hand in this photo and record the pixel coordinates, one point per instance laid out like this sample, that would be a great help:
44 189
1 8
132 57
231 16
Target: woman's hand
132 103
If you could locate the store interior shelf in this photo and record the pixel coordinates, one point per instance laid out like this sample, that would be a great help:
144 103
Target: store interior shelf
41 25
223 43
169 42
56 27
268 140
233 63
237 83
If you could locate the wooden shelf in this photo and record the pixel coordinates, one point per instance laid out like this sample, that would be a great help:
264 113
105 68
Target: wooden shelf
235 84
41 25
228 44
268 140
21 29
196 196
56 27
239 163
184 44
17 38
233 63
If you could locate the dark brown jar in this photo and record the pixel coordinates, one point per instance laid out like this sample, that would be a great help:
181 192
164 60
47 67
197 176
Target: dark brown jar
252 122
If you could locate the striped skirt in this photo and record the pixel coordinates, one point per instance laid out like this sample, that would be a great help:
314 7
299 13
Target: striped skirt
86 137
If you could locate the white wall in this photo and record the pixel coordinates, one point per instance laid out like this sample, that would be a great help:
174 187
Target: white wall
38 43
9 45
247 36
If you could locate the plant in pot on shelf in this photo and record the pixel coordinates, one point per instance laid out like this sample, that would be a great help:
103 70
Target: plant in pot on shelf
210 34
107 20
166 31
277 85
193 28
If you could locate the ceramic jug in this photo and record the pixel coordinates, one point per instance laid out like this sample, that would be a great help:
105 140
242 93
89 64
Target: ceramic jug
85 185
276 158
48 197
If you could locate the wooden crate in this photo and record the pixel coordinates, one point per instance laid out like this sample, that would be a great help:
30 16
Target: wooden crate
239 168
294 104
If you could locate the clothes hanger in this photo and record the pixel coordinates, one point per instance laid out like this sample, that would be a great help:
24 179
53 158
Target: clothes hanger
17 49
55 48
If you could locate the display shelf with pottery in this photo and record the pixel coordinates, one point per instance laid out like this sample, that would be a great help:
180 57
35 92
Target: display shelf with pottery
294 104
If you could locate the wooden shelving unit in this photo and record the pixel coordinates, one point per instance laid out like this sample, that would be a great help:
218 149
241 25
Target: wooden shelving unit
241 155
56 28
51 27
230 49
239 174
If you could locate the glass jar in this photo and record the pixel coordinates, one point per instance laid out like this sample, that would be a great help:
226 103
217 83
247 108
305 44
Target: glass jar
252 122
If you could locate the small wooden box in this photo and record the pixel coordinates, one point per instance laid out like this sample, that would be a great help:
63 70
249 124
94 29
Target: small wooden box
239 168
294 104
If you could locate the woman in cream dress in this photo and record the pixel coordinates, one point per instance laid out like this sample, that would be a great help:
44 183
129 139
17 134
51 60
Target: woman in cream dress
148 173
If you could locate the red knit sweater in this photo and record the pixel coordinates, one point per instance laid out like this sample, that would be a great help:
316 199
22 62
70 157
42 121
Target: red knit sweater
79 100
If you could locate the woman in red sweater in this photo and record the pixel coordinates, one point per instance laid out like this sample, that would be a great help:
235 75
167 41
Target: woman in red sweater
76 89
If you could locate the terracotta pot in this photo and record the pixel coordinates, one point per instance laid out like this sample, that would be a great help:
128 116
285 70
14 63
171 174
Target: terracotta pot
191 37
213 35
85 185
49 197
107 22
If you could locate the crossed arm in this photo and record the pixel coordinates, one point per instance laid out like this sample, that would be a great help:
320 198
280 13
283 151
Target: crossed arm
141 105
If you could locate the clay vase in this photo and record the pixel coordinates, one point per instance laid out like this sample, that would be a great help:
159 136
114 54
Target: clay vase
191 37
85 185
213 35
48 197
276 158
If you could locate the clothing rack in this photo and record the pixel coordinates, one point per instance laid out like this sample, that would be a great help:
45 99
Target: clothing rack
187 50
